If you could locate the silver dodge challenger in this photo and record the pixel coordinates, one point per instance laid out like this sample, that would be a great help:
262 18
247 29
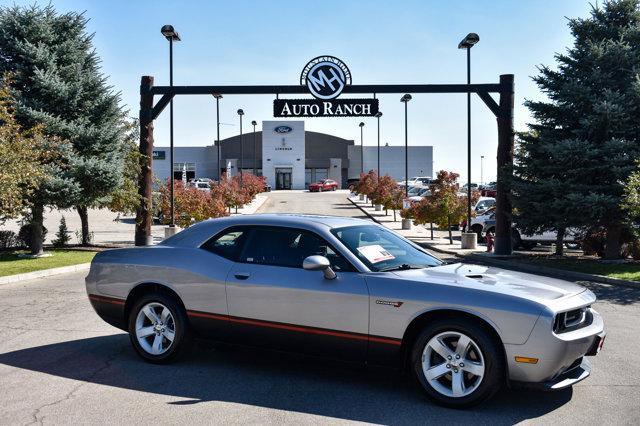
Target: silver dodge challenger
349 289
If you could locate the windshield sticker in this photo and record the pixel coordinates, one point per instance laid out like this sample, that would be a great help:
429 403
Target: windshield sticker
375 253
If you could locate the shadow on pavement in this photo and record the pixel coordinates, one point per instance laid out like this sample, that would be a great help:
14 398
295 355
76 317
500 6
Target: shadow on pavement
614 293
272 380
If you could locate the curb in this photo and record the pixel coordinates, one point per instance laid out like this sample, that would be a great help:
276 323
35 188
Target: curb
364 211
514 266
44 273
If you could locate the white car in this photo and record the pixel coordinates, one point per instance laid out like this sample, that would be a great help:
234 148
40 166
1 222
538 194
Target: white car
527 242
419 195
484 203
419 181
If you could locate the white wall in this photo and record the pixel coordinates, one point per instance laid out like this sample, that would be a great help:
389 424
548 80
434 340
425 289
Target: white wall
283 150
392 161
204 157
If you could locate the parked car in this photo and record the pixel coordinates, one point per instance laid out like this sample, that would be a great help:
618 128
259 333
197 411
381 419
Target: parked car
417 181
527 242
474 187
484 203
489 190
350 289
323 185
420 194
478 221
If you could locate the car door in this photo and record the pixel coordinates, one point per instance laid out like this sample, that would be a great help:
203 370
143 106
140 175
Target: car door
273 302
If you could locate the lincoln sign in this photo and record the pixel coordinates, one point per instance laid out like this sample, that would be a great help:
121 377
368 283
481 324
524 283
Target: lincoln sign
325 77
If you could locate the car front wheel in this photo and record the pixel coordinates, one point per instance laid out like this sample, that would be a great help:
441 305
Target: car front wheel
457 363
158 328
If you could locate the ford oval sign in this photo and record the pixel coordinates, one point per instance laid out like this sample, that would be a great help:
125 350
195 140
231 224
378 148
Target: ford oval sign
282 129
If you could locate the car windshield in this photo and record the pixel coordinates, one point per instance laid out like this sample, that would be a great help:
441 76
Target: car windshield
383 250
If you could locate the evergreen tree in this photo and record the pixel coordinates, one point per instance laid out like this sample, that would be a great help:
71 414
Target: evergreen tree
571 166
62 236
59 85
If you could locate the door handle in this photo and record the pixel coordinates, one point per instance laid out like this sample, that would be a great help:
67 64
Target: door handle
241 275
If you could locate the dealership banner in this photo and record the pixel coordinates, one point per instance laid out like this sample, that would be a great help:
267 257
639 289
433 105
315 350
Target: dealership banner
325 108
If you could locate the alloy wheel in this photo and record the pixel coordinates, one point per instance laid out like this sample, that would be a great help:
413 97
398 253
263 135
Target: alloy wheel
155 328
453 364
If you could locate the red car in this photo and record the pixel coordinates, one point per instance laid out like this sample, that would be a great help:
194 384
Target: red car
323 185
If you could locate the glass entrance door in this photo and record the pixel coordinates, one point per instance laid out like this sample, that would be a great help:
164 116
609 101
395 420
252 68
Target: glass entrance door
283 178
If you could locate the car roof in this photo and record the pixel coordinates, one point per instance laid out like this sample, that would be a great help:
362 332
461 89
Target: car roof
197 234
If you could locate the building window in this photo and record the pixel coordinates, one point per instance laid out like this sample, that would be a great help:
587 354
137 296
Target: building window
179 168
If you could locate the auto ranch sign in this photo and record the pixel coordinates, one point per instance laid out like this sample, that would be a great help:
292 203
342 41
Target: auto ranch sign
326 78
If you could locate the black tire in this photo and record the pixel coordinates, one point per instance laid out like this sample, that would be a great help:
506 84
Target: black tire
516 240
478 230
493 377
182 338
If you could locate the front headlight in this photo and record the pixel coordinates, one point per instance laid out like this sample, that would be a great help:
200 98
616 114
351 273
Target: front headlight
572 320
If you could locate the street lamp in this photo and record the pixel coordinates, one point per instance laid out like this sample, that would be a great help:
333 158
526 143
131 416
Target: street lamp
467 43
171 34
254 123
481 170
406 98
361 148
240 114
378 115
218 97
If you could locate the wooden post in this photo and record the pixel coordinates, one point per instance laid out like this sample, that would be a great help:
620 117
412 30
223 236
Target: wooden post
503 246
144 215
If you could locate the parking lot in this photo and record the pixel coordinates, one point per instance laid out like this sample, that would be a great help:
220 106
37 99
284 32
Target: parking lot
59 363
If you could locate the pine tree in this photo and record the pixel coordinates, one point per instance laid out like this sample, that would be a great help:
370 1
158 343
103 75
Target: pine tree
571 166
62 236
59 85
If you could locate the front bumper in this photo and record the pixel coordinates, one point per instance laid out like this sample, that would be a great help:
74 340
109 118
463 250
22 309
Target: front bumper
560 356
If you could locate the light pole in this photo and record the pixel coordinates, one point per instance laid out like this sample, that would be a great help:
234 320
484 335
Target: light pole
254 123
172 35
378 115
481 170
240 114
406 98
467 43
361 148
218 97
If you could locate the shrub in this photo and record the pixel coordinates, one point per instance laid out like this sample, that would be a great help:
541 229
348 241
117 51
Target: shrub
8 239
367 183
62 236
382 188
25 235
191 204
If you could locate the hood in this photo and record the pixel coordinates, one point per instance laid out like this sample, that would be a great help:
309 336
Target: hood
488 278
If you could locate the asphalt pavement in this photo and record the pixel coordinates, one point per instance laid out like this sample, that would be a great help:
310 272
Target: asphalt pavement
60 364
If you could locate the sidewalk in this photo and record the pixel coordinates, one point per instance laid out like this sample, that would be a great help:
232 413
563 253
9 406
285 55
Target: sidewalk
418 233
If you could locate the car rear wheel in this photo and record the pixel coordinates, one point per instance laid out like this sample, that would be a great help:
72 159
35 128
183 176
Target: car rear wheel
457 363
158 328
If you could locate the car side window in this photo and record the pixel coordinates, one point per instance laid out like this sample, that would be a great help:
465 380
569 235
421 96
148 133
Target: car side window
228 243
280 246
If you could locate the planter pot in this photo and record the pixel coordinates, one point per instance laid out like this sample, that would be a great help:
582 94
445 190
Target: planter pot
170 231
469 240
378 207
361 197
406 223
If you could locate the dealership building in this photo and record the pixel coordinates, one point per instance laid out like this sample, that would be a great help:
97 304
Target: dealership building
290 157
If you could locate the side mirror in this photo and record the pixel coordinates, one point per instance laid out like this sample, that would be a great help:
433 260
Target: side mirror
319 263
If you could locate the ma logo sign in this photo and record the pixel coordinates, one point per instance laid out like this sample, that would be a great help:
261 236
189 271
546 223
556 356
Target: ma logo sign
325 77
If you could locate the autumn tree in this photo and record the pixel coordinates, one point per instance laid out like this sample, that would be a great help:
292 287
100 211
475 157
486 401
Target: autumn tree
21 168
444 206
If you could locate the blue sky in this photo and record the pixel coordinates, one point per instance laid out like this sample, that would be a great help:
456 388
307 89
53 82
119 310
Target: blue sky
269 42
